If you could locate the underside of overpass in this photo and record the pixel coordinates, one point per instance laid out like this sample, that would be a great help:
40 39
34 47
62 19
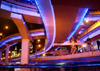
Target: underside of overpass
49 30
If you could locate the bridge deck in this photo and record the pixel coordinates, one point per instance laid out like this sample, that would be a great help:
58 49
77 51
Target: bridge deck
71 56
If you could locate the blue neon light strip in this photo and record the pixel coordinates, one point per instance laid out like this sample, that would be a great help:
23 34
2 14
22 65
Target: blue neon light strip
14 44
19 37
9 39
47 33
47 66
81 14
81 48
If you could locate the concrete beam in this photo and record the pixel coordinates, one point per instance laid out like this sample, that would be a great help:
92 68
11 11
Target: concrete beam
71 56
68 43
39 33
94 26
19 9
22 4
22 27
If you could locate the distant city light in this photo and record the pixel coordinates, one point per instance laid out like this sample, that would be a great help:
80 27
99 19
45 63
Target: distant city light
3 57
87 20
38 40
0 34
8 56
31 51
6 27
43 54
3 54
83 45
18 54
39 45
9 51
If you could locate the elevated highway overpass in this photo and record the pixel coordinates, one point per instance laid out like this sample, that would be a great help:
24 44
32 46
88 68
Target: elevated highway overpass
61 22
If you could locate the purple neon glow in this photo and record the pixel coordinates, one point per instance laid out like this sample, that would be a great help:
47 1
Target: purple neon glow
37 33
81 14
12 44
46 24
19 9
90 35
91 32
3 42
92 17
9 39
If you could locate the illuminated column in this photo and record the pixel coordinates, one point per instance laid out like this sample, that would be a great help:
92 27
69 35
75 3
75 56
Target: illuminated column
21 25
25 51
0 55
7 54
25 34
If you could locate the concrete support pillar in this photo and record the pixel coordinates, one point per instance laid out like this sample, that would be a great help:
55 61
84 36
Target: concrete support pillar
25 51
7 54
62 69
0 55
25 34
21 25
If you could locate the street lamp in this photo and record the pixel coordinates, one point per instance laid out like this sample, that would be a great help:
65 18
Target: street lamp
6 27
38 40
43 54
39 45
0 34
87 21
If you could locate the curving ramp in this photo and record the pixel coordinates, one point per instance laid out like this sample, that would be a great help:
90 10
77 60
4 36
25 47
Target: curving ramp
47 14
12 39
64 19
